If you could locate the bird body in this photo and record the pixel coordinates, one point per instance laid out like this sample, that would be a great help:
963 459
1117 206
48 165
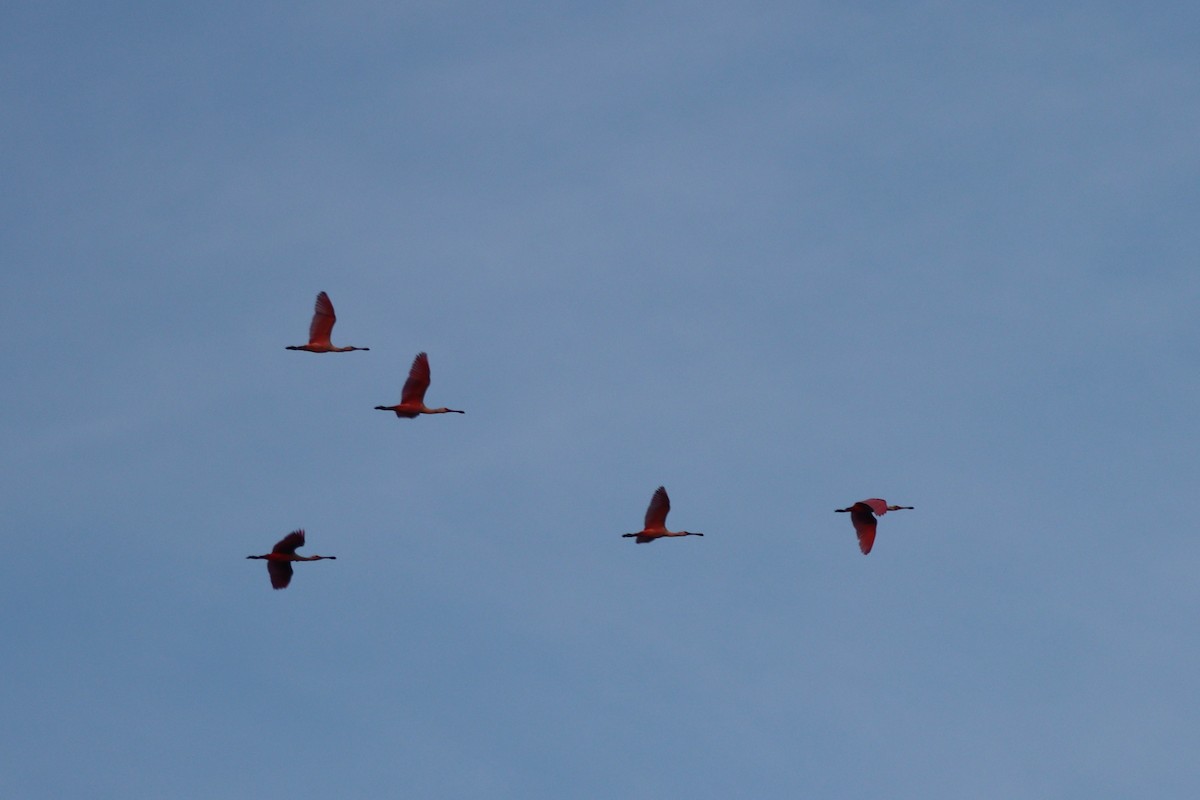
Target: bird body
321 329
412 397
862 516
655 526
279 560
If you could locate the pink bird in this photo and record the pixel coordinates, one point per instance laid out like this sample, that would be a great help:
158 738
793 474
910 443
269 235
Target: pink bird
321 329
412 397
862 515
656 520
279 560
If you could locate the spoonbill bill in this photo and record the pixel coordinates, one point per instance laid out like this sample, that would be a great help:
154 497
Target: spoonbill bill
656 520
862 515
412 397
321 328
279 560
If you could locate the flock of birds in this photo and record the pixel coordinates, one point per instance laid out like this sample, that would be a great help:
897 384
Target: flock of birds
863 515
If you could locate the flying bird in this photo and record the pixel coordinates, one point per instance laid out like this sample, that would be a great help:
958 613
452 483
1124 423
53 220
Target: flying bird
321 328
412 397
656 520
279 560
862 515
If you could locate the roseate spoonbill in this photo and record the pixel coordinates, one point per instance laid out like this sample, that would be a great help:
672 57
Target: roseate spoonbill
321 328
656 520
279 560
862 515
412 397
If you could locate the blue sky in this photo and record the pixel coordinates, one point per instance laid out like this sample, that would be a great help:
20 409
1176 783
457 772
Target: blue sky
778 257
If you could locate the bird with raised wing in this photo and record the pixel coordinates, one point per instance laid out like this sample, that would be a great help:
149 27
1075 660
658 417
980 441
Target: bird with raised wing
862 516
321 329
412 397
656 520
279 560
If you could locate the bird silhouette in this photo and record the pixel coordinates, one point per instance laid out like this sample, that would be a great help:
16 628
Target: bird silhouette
412 397
656 520
279 560
321 329
862 515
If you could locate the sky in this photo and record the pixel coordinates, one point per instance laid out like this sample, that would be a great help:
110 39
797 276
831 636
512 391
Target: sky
775 256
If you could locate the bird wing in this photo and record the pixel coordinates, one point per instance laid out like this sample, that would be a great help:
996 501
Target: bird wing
280 572
656 514
322 322
418 381
876 505
864 526
289 543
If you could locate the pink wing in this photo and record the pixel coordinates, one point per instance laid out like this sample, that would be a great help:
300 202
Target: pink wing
289 543
656 514
864 526
280 572
876 505
418 381
322 322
